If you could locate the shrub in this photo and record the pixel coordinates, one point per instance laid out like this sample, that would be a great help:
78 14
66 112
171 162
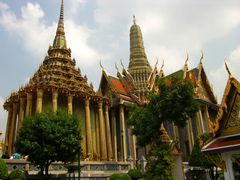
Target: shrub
17 175
135 174
3 169
117 176
125 177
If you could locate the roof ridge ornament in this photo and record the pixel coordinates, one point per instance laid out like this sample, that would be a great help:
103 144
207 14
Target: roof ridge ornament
162 65
201 58
100 63
122 63
226 66
116 67
185 68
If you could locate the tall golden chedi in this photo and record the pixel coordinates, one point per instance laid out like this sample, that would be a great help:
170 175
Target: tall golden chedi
57 84
139 66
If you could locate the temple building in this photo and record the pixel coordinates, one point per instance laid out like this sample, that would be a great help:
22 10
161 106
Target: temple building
225 143
58 84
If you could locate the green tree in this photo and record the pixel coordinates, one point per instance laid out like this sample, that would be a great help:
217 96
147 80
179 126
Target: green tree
174 102
3 169
197 158
49 137
160 163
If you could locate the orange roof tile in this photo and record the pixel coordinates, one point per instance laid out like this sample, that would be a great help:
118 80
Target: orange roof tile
119 87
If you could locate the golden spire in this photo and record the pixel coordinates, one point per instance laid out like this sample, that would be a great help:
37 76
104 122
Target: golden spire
60 41
60 29
164 137
134 19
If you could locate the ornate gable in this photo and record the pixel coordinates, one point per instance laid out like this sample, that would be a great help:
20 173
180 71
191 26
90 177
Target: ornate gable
228 119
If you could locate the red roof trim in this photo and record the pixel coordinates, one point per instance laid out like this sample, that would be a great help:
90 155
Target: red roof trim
223 144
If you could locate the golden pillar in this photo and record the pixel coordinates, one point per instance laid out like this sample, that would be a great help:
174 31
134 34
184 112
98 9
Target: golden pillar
175 132
108 134
39 100
54 100
21 113
190 134
88 129
70 106
114 135
134 148
96 149
29 104
123 133
102 132
13 129
132 144
8 129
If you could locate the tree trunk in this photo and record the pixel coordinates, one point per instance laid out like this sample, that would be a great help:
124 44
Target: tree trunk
42 169
46 168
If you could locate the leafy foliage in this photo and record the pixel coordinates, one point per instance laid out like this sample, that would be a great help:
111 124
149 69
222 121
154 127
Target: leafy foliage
135 174
49 137
17 175
174 103
197 158
3 170
160 164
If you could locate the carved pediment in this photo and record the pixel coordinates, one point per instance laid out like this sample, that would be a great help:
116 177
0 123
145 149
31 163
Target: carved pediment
234 117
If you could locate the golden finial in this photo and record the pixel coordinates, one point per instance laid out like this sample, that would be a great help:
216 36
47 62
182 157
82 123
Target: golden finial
230 74
134 19
201 57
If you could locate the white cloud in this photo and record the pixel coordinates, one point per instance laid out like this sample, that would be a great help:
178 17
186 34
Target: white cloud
30 30
77 38
219 76
36 35
174 27
75 5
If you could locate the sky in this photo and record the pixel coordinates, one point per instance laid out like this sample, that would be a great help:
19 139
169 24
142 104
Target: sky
98 30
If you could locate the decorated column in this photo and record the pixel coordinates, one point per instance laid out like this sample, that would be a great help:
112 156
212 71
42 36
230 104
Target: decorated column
123 132
70 106
8 129
108 134
54 100
114 135
29 104
88 129
39 100
21 113
102 132
13 129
